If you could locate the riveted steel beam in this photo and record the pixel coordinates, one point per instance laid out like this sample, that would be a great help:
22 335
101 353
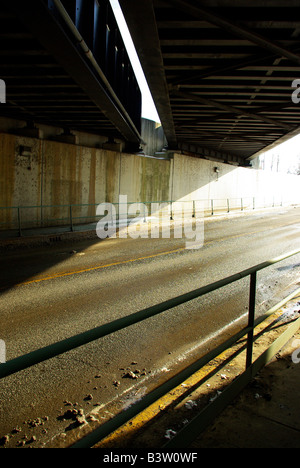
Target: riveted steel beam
59 39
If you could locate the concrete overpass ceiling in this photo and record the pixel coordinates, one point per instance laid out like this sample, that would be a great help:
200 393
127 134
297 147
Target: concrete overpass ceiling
53 79
220 71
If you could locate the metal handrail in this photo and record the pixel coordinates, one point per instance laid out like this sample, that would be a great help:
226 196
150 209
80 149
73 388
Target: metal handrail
208 200
48 352
68 219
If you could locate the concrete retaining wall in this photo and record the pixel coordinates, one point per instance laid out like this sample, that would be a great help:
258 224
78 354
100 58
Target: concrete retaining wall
198 179
36 172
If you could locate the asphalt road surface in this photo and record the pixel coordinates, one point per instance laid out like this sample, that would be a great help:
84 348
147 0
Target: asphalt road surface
54 292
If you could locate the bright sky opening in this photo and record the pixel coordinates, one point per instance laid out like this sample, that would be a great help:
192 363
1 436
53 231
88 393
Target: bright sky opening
148 107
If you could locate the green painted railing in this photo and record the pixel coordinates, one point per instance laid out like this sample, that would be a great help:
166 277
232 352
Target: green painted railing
68 216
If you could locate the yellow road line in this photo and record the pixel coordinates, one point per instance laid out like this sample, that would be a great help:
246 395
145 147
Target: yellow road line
132 260
98 267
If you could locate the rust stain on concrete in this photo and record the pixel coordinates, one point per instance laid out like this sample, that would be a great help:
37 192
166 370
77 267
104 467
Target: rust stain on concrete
112 175
7 175
92 183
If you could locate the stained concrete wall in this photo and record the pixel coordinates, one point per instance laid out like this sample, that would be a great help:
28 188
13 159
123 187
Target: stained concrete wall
55 175
145 179
35 172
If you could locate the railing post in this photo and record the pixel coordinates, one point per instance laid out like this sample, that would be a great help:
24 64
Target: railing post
71 219
212 206
228 206
19 222
242 206
171 210
251 319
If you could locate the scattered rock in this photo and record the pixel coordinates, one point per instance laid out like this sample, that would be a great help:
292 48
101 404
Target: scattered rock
130 375
190 404
224 377
70 414
92 418
67 403
116 383
170 434
80 418
35 422
16 430
4 440
33 439
88 397
76 415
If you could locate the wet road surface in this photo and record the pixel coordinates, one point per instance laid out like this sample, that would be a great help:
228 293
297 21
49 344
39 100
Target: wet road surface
51 293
